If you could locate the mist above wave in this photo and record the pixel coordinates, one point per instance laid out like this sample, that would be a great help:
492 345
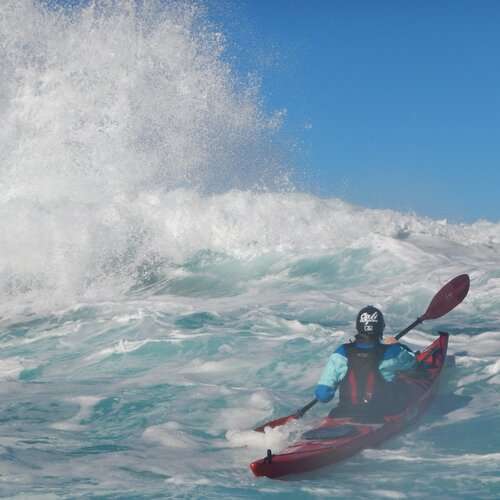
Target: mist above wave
121 98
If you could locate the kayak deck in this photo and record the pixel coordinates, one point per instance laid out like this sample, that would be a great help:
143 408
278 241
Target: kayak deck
338 438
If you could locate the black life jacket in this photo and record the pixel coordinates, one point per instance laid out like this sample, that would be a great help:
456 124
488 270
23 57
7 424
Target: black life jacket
363 385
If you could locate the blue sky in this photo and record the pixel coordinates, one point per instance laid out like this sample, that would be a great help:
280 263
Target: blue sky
393 104
390 103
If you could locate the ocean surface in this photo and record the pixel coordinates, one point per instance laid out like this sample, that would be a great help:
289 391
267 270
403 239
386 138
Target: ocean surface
165 288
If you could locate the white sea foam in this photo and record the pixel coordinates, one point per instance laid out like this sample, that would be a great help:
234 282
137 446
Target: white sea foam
257 408
123 346
387 493
10 368
86 404
275 439
35 496
170 435
406 455
244 414
189 481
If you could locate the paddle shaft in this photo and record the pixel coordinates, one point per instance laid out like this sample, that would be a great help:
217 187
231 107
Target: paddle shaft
402 333
300 413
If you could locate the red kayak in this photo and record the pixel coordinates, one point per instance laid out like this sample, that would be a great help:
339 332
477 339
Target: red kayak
338 438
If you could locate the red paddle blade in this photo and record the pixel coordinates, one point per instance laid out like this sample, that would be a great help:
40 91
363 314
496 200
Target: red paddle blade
448 297
284 420
275 423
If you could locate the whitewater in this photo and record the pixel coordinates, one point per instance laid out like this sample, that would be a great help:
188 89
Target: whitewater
165 286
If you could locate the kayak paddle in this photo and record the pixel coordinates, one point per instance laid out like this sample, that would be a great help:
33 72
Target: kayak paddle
283 420
443 302
450 295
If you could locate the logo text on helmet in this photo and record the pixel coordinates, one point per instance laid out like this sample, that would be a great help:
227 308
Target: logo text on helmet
366 319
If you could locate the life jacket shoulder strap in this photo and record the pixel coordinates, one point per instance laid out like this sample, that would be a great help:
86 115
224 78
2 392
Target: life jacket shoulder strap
377 351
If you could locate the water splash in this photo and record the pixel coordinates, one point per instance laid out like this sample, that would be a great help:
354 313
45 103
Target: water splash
103 105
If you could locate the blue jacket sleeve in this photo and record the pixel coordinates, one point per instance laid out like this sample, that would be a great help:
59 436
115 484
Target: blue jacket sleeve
396 359
333 373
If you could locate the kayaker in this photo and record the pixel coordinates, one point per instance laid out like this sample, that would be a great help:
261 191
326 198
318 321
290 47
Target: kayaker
364 371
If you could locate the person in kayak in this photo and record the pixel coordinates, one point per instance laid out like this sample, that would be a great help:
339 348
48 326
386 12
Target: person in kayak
364 371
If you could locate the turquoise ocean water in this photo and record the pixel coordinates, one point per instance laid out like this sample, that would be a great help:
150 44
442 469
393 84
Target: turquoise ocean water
164 288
